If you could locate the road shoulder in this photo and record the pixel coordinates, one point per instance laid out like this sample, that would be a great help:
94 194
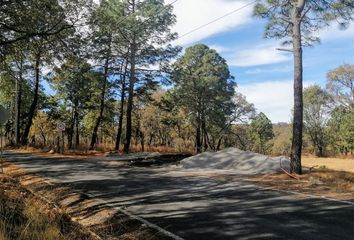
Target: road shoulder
100 219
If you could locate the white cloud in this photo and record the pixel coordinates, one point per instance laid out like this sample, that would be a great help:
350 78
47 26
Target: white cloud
220 49
254 55
333 32
260 54
280 69
274 98
194 13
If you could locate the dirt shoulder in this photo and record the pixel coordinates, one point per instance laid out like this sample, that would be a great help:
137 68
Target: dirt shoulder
338 185
77 154
323 183
26 216
99 220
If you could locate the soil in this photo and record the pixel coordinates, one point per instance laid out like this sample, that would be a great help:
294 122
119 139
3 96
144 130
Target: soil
333 184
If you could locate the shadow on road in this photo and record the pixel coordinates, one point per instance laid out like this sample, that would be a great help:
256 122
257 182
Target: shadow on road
196 207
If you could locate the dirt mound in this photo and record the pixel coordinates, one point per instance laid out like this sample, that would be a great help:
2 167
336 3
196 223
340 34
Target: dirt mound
238 161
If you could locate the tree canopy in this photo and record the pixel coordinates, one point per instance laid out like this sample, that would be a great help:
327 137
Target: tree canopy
204 87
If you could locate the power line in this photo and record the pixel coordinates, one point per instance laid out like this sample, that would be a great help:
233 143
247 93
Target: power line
133 14
217 19
126 17
165 7
159 11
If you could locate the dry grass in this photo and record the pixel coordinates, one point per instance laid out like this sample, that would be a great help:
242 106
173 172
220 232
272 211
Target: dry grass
77 154
25 217
320 182
338 164
147 148
97 218
101 151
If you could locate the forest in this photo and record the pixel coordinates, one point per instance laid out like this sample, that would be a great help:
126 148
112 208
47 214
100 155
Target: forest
109 76
111 127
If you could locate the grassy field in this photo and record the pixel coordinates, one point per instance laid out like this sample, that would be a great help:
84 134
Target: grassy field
337 164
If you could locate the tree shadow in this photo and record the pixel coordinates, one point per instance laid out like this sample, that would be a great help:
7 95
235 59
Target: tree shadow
199 208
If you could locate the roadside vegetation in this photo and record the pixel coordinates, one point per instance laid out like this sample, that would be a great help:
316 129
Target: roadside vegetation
318 182
108 74
26 217
86 77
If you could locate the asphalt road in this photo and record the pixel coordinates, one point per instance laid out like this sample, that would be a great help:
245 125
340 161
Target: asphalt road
194 207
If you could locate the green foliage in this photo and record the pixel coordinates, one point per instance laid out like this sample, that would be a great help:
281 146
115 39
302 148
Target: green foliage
99 56
317 103
341 127
74 82
128 37
76 86
203 87
7 84
14 68
31 20
261 132
296 22
317 15
15 73
203 84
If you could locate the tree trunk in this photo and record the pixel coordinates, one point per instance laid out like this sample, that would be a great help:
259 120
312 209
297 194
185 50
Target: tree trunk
33 107
44 139
77 132
100 116
204 134
295 165
18 107
319 151
142 140
70 138
219 144
198 135
130 99
70 131
133 49
150 139
121 110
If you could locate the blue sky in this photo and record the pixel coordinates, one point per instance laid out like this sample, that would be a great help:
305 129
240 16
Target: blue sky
263 74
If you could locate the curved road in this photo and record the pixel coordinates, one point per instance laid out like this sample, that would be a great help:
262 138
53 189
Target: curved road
195 207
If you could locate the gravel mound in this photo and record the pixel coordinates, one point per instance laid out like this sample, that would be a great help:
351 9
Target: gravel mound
240 162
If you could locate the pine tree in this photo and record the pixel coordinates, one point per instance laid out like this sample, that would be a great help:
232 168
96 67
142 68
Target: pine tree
204 87
297 21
